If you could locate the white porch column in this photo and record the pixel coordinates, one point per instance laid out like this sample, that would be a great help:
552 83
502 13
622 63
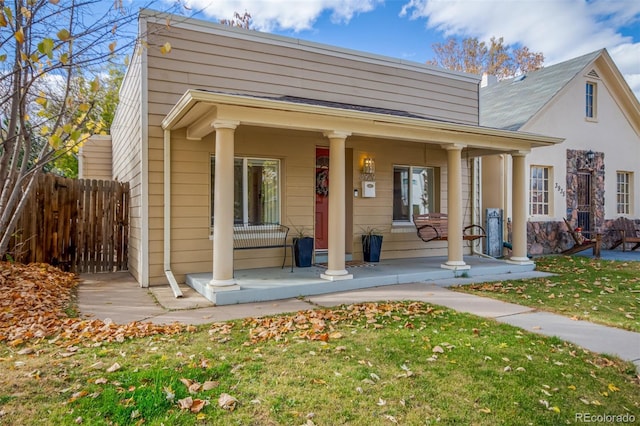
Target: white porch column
519 208
454 209
337 210
223 205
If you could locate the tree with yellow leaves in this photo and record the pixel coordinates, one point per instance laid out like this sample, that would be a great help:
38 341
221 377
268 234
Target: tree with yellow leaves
52 60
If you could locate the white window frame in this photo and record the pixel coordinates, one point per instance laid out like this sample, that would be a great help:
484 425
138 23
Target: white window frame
545 190
436 192
245 187
624 192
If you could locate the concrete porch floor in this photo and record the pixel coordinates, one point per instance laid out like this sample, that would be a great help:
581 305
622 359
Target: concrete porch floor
265 284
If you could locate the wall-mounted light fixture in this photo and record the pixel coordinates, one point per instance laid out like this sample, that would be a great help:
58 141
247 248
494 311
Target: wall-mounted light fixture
586 160
368 177
369 169
590 159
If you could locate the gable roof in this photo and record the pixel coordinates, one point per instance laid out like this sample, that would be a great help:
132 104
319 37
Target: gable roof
510 104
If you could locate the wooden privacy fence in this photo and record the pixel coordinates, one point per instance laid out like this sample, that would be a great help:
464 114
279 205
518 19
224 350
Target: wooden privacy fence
80 225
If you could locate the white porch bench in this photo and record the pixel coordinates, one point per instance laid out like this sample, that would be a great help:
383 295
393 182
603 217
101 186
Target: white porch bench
262 236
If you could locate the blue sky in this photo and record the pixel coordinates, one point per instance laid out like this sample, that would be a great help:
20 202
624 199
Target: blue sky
406 29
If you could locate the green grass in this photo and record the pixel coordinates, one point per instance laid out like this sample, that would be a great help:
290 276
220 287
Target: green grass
374 365
71 310
605 292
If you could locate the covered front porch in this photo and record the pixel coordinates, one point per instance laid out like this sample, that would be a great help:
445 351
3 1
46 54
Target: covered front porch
265 284
240 126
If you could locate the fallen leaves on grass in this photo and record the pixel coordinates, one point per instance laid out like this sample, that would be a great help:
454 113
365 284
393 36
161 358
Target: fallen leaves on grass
33 300
498 287
227 402
318 324
193 405
115 367
35 296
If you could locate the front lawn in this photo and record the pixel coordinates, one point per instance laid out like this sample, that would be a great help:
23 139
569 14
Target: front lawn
367 364
602 291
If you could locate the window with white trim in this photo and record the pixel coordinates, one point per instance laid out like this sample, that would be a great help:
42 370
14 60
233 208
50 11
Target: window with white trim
415 191
256 190
590 100
624 182
539 204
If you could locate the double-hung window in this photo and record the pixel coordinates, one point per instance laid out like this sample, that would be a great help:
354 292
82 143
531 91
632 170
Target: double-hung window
539 191
623 192
256 193
415 191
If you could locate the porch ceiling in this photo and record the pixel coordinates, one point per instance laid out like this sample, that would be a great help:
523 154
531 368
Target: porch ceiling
197 110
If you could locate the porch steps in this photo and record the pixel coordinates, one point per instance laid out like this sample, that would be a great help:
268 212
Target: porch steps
266 284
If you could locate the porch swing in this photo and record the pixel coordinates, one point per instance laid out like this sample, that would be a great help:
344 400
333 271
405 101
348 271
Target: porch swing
435 226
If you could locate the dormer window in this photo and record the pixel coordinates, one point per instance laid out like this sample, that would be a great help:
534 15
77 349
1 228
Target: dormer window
590 101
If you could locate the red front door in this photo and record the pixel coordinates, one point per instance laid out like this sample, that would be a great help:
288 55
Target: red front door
322 199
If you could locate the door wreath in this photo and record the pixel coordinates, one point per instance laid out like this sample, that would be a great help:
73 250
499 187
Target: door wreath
322 182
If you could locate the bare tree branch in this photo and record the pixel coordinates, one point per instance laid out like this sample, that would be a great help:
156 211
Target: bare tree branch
476 57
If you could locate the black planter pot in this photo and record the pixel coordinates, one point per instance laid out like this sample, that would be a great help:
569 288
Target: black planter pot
371 247
303 251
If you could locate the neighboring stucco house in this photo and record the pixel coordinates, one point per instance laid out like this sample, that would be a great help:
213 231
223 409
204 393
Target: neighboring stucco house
237 125
592 177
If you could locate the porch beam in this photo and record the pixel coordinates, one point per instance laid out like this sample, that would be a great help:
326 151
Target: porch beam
455 260
337 209
223 208
202 127
519 208
415 130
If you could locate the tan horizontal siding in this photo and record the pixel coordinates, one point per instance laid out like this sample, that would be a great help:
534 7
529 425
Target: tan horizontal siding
231 64
95 159
126 131
187 232
197 244
190 203
377 212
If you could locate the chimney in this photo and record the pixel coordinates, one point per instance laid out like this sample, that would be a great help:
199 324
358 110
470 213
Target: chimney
488 80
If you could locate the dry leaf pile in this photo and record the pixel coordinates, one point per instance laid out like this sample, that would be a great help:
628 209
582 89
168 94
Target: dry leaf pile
33 299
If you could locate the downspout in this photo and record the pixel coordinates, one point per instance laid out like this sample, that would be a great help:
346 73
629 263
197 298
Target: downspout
167 215
505 197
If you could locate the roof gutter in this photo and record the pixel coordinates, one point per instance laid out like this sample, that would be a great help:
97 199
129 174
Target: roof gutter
167 215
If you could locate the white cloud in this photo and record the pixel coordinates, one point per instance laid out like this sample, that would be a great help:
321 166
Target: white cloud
297 15
627 58
561 30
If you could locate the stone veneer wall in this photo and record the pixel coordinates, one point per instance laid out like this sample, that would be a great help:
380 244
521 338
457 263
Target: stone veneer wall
576 163
553 237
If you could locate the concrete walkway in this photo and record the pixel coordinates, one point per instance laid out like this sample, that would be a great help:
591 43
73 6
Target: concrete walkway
117 296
